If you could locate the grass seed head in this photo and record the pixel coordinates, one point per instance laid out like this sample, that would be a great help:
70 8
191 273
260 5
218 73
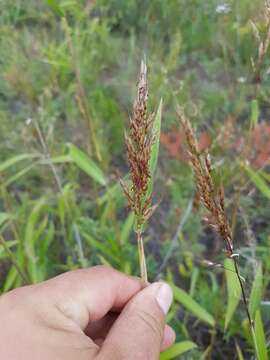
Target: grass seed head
139 141
202 169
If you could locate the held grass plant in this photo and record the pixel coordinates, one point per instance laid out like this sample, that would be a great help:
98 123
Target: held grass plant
142 148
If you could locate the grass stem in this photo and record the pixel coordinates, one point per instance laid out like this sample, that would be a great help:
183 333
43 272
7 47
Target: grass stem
142 261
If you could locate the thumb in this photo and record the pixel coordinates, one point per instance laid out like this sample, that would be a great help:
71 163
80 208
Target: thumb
139 330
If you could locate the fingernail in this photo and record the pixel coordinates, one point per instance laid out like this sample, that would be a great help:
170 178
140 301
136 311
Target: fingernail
164 297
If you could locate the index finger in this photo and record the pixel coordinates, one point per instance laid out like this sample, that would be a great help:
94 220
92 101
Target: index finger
89 294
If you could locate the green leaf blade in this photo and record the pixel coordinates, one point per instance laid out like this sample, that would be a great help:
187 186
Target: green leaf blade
256 292
255 112
3 217
55 7
233 290
260 337
16 159
86 164
155 147
259 182
187 301
177 350
239 352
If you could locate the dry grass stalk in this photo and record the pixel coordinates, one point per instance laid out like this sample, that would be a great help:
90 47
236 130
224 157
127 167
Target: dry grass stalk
93 147
47 156
263 43
212 200
139 141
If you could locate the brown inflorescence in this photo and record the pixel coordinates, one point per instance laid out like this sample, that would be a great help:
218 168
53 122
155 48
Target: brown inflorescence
139 141
212 200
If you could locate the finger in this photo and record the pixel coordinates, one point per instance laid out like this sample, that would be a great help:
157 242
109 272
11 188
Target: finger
99 330
87 295
168 338
139 330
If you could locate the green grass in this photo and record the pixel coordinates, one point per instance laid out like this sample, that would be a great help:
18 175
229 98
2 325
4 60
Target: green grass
67 81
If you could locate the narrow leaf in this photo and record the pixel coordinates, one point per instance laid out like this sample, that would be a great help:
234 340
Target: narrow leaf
9 244
239 352
155 147
98 245
260 337
187 301
57 160
15 159
30 237
10 279
259 182
54 6
86 164
177 349
233 290
254 113
256 292
19 174
127 228
265 175
3 217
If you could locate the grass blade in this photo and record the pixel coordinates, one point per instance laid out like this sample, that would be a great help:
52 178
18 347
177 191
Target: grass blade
3 217
259 182
19 174
177 349
239 352
54 6
256 292
15 159
86 164
186 300
255 112
260 337
30 238
234 290
9 244
10 279
127 228
155 147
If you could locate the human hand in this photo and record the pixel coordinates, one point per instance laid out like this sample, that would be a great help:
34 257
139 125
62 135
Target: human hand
97 313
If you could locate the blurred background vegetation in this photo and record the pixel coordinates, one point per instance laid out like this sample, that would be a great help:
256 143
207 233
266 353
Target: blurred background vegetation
68 73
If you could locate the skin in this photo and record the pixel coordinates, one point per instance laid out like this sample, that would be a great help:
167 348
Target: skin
97 313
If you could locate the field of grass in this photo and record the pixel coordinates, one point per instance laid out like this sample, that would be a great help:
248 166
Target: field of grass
68 76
